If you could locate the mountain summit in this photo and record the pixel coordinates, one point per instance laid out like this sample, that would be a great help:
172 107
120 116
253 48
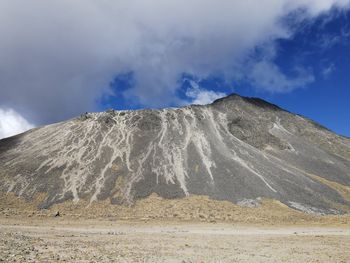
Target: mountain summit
237 149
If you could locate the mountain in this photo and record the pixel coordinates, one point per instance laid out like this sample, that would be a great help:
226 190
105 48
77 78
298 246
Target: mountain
237 149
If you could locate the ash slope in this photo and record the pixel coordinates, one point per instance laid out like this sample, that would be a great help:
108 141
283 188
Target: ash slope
236 149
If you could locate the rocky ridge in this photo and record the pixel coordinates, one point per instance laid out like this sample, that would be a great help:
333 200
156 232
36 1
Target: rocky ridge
236 149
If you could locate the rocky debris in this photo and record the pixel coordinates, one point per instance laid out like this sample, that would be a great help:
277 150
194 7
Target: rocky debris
17 247
85 116
249 202
312 210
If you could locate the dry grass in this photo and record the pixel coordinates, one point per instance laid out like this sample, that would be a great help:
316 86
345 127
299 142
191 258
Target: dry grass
192 208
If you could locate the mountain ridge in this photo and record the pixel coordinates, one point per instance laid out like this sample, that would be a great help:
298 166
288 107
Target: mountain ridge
235 149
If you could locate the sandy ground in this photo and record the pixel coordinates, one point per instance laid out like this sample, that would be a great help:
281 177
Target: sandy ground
193 229
67 240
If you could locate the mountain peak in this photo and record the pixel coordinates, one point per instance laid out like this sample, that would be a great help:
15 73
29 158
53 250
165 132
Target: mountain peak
252 100
234 149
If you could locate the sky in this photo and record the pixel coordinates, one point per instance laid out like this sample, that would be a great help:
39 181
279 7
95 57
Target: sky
61 58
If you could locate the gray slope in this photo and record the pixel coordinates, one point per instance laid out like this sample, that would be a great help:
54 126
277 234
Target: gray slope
234 149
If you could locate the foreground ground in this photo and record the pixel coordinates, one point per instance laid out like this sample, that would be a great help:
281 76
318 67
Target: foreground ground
63 240
193 229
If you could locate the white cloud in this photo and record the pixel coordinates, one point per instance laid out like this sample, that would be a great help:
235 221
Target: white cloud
11 123
202 96
267 76
58 57
327 71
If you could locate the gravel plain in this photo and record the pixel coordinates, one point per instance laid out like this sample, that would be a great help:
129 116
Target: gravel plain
194 229
63 240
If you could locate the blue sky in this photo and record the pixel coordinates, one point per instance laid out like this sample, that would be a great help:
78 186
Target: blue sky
60 59
321 45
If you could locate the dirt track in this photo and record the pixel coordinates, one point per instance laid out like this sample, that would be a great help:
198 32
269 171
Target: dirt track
60 240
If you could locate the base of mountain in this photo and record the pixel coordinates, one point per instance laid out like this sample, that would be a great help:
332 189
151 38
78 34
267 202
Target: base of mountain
154 208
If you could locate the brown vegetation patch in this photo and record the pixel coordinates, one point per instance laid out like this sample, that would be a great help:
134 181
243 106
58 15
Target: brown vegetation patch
192 208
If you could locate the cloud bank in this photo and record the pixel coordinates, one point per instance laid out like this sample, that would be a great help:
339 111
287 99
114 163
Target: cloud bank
11 123
58 57
202 96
